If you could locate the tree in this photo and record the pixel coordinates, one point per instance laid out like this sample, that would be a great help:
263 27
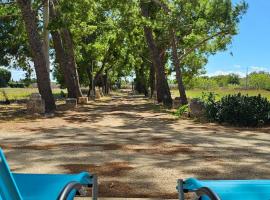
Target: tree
36 45
259 80
162 87
146 38
199 27
64 49
233 79
5 77
15 50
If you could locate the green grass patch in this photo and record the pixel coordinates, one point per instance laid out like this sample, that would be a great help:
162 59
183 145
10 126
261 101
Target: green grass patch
23 93
222 92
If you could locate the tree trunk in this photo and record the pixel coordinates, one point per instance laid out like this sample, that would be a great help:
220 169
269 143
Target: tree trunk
36 45
89 75
179 77
162 87
65 57
176 61
152 80
60 58
70 57
106 81
140 80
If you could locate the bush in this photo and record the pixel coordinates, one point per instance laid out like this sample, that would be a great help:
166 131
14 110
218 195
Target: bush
259 80
5 96
181 110
233 79
16 85
204 83
211 105
5 77
240 110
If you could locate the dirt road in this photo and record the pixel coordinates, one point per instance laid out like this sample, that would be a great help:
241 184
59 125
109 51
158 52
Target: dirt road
136 150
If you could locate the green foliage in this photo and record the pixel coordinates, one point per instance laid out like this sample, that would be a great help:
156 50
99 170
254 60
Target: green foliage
225 80
211 106
16 84
204 83
5 77
207 83
14 51
233 79
112 32
204 27
5 97
181 110
240 110
260 80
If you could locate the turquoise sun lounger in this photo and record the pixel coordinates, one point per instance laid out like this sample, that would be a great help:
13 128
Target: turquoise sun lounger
225 189
14 186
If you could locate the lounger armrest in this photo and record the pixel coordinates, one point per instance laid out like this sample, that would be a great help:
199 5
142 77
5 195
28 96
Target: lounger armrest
202 191
78 187
68 188
205 191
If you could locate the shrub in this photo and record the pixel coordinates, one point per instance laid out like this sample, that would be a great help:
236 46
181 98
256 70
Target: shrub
16 85
181 110
240 110
5 96
204 83
211 105
5 77
259 80
233 79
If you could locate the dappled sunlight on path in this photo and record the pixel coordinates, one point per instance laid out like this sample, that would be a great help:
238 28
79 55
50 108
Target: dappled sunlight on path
134 147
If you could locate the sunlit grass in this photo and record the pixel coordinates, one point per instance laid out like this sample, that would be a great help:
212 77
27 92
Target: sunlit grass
195 93
24 93
21 93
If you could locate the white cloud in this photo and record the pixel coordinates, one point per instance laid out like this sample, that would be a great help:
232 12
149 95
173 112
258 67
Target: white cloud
222 72
241 72
257 68
237 66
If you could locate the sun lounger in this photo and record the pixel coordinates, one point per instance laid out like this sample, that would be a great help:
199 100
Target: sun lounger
15 186
225 189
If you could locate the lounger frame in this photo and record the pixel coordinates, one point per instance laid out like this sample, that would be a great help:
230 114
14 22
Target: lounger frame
203 191
78 187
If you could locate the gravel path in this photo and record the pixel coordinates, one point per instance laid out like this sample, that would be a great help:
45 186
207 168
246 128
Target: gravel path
136 150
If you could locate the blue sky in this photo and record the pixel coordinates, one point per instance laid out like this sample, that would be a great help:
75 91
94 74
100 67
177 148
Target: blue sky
250 48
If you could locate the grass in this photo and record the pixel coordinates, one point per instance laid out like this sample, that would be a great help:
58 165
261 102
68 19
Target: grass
195 93
22 93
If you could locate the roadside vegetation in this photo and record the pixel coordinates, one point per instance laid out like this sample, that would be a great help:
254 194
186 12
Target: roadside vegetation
14 94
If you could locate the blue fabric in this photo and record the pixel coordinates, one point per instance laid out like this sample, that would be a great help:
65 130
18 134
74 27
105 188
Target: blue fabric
233 189
47 186
15 186
8 187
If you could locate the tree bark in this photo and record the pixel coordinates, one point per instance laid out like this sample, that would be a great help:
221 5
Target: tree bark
176 60
162 87
179 76
69 49
89 75
36 45
152 80
140 82
64 49
106 86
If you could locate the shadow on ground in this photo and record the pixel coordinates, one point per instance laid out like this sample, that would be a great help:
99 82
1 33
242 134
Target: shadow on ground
136 150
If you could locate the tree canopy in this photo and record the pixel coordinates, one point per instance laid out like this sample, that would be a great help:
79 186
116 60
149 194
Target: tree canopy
144 39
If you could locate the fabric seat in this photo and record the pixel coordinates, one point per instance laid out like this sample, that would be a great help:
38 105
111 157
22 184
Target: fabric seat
15 186
232 189
47 186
